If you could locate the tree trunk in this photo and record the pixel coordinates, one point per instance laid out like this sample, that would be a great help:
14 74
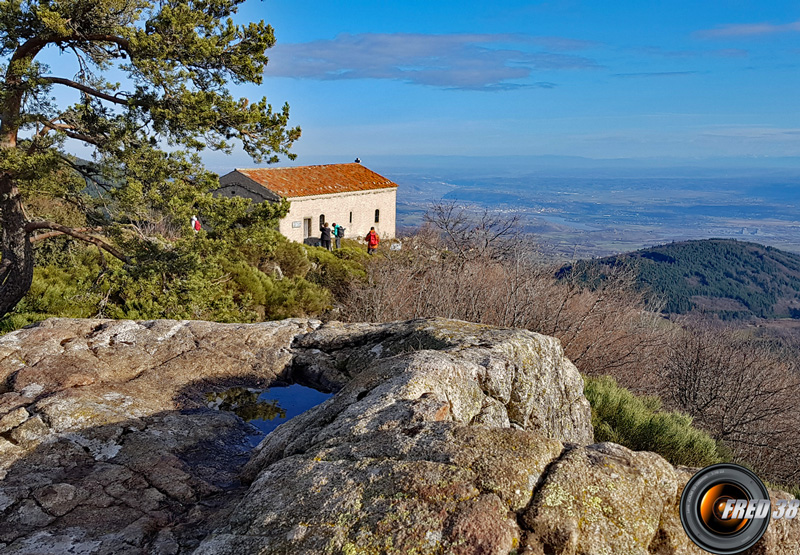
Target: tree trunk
16 265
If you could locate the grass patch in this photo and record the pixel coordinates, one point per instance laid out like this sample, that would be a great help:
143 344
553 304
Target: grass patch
639 423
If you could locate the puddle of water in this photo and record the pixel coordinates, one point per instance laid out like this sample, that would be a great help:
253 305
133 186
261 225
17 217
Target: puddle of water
294 399
269 408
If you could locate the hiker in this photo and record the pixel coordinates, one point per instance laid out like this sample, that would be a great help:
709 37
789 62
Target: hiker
195 223
372 240
325 237
338 233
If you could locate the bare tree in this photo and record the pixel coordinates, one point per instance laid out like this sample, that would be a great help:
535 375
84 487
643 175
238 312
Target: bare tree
474 232
500 279
605 327
741 390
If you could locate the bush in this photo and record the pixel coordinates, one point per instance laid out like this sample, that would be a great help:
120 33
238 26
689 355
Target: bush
741 389
337 270
638 423
196 278
291 258
72 290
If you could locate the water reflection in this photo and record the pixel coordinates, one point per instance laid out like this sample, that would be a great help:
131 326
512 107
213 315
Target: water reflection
267 409
246 404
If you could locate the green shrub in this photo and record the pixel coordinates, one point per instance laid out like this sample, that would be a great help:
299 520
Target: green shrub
336 270
352 251
296 297
198 278
292 259
274 299
73 289
639 423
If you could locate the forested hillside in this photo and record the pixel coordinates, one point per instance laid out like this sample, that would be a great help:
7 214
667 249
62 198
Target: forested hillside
729 278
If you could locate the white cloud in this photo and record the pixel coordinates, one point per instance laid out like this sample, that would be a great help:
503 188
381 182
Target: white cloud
754 132
686 54
748 30
462 61
656 74
565 44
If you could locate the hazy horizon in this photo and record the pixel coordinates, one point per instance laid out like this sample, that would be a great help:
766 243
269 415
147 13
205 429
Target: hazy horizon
521 164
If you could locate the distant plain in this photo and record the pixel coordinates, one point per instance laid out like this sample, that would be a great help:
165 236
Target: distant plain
587 212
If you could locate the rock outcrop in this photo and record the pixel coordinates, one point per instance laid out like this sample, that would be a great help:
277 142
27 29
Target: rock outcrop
443 437
106 445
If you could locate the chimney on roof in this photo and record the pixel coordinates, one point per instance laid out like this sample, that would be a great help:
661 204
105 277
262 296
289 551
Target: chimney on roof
358 160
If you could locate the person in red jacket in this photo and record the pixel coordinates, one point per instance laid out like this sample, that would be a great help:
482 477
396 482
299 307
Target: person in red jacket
372 240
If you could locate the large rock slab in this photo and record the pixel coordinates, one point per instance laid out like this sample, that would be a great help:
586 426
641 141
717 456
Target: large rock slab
106 445
420 487
431 370
442 437
520 378
602 498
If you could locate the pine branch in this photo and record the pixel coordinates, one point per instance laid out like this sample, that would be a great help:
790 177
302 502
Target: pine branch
34 226
85 89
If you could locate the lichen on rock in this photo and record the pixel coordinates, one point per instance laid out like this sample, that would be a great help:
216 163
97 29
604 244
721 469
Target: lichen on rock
442 437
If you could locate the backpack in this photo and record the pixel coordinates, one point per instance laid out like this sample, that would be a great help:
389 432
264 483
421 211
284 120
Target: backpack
197 225
339 231
372 239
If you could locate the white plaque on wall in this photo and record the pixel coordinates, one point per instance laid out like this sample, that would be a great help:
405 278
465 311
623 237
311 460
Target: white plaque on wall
297 224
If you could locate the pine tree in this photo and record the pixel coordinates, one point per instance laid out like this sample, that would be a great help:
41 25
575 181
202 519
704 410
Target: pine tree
176 60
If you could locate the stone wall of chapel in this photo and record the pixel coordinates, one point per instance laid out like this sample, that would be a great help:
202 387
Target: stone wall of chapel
355 211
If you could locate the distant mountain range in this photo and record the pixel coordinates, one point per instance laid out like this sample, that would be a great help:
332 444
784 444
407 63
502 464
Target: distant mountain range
732 279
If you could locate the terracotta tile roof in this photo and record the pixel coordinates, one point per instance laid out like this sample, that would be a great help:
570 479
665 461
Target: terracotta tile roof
305 181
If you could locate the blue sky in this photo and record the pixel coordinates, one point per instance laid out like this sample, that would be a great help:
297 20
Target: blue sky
563 77
599 79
